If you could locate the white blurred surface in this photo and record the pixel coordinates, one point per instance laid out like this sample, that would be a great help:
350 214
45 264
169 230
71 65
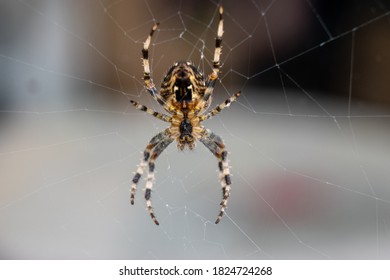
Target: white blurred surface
303 187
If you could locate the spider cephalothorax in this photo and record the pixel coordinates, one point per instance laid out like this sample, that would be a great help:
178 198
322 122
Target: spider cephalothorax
186 95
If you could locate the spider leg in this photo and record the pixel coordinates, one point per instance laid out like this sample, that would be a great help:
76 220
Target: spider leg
145 59
211 79
155 114
159 148
151 88
216 146
155 147
218 46
141 167
220 107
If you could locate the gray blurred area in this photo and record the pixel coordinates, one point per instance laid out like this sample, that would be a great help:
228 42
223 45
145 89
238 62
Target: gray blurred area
310 165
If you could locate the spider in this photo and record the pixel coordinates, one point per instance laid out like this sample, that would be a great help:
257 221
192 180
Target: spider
186 95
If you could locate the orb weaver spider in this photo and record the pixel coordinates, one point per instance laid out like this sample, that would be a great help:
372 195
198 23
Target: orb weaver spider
186 95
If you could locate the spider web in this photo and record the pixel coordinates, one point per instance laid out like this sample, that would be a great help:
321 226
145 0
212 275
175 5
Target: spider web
307 140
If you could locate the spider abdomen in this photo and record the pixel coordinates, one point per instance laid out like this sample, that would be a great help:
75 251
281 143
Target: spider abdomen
183 83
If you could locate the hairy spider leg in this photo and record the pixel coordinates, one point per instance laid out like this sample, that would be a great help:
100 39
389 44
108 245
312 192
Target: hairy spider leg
216 146
160 147
211 79
155 147
220 107
218 43
150 86
155 114
141 167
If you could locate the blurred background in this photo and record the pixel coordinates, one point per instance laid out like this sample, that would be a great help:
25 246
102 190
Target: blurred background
307 140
